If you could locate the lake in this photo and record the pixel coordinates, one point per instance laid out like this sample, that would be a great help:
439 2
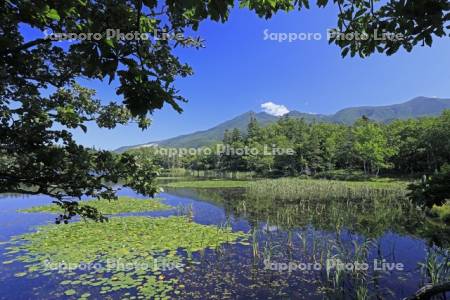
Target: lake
293 250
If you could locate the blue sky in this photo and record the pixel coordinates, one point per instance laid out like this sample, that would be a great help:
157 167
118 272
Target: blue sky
239 70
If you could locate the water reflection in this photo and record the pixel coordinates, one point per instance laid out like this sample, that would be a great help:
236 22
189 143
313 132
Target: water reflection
286 240
392 239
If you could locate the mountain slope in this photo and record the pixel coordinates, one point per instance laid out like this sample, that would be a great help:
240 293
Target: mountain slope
415 108
209 136
215 134
308 117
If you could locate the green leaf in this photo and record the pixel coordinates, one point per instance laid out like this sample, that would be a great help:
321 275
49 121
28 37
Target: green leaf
345 51
53 14
70 292
109 42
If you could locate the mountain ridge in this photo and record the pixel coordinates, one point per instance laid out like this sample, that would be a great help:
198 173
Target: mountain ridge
414 108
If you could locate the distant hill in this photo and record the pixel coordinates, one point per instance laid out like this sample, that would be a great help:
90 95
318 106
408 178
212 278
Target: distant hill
209 136
415 108
206 137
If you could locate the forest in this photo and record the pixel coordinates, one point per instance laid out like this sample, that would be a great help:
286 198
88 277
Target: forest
407 148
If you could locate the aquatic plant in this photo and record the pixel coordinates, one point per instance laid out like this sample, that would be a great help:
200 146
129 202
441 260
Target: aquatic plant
108 207
255 244
127 253
436 267
340 282
186 210
295 189
362 293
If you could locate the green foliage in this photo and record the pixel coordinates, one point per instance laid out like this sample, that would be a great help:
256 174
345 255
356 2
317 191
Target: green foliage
333 151
371 145
109 207
232 160
131 252
436 269
38 154
423 144
441 212
432 191
301 189
41 104
418 21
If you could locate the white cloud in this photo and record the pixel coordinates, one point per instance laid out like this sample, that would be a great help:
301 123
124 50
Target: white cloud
274 109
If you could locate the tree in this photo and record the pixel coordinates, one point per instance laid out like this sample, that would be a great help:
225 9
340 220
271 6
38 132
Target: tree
412 153
232 158
405 23
40 103
371 145
432 191
253 129
438 139
423 144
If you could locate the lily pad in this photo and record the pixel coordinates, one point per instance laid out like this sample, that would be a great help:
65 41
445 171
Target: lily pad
70 292
109 207
122 254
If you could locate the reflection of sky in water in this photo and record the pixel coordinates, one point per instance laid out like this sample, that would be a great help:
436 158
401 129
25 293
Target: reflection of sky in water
233 270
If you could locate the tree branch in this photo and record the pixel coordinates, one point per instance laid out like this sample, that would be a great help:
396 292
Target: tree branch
429 290
26 46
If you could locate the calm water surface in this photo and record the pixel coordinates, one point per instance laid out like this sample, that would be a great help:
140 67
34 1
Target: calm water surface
294 233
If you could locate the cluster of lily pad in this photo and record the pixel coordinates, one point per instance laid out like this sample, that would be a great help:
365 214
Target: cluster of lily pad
138 256
123 204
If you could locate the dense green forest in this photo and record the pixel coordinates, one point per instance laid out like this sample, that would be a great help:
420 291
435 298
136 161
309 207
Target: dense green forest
403 147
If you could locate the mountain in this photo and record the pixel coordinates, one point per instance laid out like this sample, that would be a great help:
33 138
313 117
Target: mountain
309 117
206 137
415 108
210 136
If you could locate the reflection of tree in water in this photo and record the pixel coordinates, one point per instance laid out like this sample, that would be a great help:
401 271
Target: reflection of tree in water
13 195
370 218
312 231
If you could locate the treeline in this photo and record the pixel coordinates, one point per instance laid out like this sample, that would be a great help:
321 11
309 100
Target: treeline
404 146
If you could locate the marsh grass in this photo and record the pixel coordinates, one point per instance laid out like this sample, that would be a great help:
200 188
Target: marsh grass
209 184
370 217
343 283
186 210
436 267
255 244
295 189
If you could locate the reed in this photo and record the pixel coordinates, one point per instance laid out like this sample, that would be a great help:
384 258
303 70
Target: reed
255 244
186 210
362 293
348 283
295 189
436 267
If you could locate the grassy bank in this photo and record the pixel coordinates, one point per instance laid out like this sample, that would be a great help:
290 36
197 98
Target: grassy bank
209 184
